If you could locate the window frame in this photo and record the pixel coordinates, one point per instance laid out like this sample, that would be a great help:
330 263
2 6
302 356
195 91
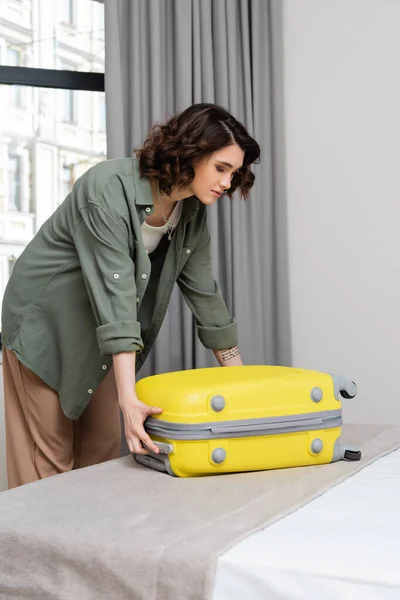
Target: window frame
52 78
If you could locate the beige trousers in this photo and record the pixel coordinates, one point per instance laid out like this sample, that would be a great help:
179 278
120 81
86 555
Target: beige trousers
40 440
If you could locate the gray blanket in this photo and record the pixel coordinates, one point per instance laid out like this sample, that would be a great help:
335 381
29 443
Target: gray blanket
118 531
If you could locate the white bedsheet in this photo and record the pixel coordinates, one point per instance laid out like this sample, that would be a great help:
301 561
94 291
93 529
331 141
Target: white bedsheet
344 545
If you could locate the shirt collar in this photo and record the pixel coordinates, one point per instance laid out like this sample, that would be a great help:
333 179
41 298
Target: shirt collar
190 208
144 196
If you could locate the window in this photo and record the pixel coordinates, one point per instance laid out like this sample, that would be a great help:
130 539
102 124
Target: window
68 12
66 181
41 154
14 183
14 59
68 106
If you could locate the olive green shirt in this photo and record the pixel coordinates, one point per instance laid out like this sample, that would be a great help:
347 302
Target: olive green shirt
85 288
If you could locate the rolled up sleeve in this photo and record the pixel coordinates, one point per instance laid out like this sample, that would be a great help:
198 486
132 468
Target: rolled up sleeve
120 336
216 328
109 274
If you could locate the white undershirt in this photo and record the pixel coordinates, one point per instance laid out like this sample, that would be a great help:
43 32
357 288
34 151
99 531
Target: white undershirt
152 235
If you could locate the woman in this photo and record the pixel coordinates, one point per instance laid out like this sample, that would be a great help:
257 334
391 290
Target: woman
88 295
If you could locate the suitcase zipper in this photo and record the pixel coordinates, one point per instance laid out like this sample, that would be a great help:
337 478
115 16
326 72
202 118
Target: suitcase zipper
245 427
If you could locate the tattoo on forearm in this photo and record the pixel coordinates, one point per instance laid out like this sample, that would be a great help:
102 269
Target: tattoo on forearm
229 353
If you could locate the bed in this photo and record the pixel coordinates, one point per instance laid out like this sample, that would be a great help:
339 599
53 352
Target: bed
343 544
121 531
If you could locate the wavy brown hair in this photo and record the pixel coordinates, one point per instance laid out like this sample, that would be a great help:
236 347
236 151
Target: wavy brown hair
172 149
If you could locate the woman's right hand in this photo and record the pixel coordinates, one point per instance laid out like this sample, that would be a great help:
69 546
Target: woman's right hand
135 413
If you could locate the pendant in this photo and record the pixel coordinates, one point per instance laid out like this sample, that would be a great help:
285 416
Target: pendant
170 235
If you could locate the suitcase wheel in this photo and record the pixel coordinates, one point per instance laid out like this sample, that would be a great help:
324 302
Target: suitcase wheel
352 455
344 388
350 391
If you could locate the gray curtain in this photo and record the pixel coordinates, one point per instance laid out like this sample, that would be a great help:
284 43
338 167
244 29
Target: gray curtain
164 55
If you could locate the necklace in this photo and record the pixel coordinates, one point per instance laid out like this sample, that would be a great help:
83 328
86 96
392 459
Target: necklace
170 228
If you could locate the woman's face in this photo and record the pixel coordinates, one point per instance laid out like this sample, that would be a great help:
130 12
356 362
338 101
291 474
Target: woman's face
213 175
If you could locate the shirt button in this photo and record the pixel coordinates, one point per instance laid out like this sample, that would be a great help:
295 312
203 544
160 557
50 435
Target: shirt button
104 367
116 276
137 300
148 209
90 391
144 276
188 251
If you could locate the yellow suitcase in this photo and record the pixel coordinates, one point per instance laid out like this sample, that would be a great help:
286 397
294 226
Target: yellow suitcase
235 419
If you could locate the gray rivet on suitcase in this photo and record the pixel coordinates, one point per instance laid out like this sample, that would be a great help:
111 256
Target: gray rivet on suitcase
317 446
217 403
316 394
218 456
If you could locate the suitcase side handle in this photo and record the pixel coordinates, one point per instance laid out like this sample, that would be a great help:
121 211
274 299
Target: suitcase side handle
163 447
